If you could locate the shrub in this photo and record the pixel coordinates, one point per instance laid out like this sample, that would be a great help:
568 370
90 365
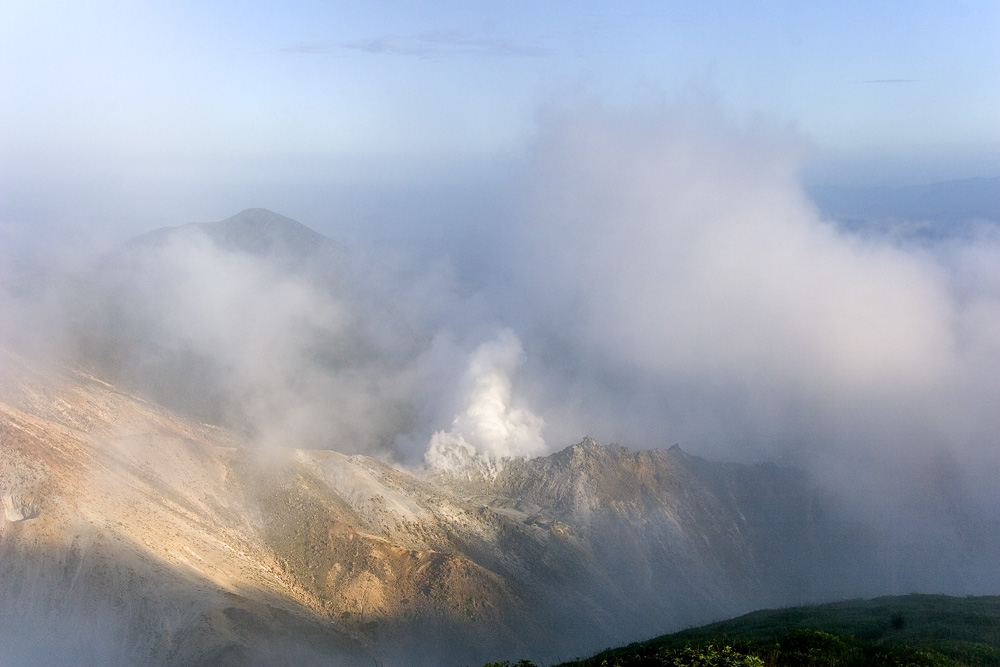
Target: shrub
711 656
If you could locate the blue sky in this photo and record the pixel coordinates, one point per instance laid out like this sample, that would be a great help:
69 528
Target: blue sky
102 95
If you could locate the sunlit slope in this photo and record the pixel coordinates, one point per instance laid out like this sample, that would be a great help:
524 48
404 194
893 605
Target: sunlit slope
167 541
196 544
129 533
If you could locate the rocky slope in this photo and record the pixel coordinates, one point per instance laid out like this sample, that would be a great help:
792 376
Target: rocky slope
130 533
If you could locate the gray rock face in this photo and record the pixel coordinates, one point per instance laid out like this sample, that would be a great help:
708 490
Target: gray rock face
14 509
10 510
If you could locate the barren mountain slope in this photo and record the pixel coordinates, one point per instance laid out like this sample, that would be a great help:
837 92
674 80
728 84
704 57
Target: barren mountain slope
128 539
170 542
142 536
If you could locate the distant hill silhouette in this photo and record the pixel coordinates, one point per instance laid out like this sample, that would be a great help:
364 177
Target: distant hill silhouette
253 231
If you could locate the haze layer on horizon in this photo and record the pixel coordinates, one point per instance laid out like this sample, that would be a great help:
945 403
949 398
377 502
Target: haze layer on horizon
118 118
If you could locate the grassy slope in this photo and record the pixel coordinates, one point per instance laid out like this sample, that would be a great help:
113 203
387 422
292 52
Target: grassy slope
908 630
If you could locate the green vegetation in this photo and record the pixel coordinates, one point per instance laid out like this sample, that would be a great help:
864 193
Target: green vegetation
907 631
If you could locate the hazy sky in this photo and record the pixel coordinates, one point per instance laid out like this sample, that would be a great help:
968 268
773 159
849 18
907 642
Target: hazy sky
122 102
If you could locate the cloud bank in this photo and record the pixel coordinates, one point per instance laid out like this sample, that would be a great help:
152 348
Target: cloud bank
684 287
688 251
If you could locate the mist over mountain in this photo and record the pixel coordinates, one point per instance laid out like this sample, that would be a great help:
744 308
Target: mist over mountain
251 322
384 333
332 431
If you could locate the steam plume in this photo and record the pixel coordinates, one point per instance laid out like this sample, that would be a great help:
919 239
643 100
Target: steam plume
489 429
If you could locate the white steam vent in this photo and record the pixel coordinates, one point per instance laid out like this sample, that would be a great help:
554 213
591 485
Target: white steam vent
488 429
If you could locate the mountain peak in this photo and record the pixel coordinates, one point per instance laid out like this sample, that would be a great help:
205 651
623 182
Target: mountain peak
261 219
591 448
258 231
254 231
262 214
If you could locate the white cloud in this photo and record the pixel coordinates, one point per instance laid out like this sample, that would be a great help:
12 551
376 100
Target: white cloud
696 296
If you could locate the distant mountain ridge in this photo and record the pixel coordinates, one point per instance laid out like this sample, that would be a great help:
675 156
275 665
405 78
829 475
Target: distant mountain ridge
935 210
